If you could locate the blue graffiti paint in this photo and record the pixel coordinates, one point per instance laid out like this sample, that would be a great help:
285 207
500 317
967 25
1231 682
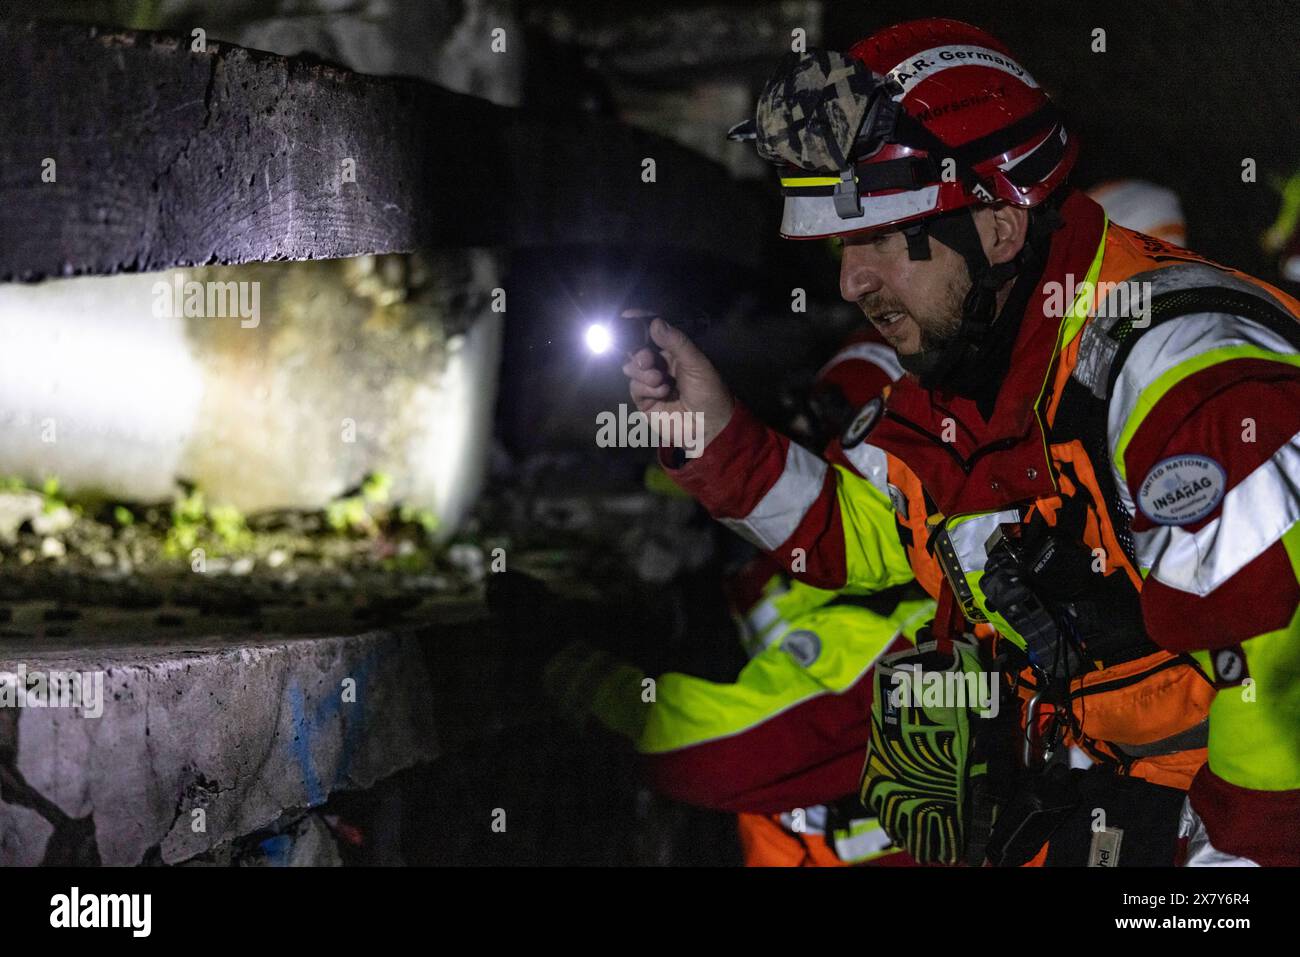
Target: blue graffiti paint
302 735
306 729
277 850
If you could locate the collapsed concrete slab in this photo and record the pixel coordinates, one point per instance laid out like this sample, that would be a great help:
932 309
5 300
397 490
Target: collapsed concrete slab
135 152
196 741
347 368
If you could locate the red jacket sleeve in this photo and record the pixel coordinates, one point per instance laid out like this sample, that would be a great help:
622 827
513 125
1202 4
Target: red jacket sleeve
1221 442
823 523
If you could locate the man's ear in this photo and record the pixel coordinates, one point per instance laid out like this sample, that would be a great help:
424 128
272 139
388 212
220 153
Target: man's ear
1009 226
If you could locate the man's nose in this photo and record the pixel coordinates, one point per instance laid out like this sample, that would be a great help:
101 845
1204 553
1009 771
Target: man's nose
857 277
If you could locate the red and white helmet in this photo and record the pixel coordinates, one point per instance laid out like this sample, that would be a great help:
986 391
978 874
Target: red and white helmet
951 120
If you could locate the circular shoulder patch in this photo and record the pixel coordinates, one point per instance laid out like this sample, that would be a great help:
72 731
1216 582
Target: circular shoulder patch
1228 665
862 423
803 646
1182 489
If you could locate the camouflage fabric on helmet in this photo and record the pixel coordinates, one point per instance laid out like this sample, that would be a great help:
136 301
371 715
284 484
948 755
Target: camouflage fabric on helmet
812 108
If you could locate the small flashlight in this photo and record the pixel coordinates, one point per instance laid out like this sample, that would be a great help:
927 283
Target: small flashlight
626 332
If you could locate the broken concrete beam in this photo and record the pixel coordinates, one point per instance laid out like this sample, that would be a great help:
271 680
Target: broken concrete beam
127 151
180 745
470 46
342 369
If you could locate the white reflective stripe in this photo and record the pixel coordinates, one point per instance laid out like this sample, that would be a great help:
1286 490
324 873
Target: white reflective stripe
879 355
864 839
814 820
1171 344
762 615
927 63
1121 489
814 217
969 535
760 643
1200 852
1057 132
1255 514
872 464
763 623
780 511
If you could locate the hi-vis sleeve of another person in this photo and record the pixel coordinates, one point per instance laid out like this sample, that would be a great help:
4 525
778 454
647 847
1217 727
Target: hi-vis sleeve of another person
827 651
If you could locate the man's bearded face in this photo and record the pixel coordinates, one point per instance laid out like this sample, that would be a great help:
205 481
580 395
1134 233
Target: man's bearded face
915 304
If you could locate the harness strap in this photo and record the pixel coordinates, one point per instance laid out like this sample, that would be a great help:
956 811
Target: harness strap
1197 736
1085 400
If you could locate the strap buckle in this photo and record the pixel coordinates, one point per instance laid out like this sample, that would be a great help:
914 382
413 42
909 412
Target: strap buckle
847 203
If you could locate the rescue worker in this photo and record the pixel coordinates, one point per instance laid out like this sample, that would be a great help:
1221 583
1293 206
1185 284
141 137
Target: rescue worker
1093 464
782 745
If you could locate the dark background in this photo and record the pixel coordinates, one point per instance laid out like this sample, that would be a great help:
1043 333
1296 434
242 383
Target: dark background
1184 92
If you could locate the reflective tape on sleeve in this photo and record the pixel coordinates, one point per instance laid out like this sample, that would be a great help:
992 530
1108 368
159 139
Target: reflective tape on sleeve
969 535
881 356
806 820
863 840
1170 352
777 515
1255 514
872 464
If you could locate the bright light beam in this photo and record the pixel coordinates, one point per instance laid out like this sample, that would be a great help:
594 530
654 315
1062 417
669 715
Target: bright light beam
599 338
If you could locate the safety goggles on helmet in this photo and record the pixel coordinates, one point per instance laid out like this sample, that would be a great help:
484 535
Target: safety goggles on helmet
852 157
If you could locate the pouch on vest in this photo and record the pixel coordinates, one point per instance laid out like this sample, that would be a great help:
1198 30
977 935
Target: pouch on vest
1088 818
854 835
925 766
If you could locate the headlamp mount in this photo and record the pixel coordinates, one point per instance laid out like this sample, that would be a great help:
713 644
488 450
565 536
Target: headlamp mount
847 202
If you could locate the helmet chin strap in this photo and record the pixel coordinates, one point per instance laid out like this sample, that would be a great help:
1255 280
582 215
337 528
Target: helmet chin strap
961 364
